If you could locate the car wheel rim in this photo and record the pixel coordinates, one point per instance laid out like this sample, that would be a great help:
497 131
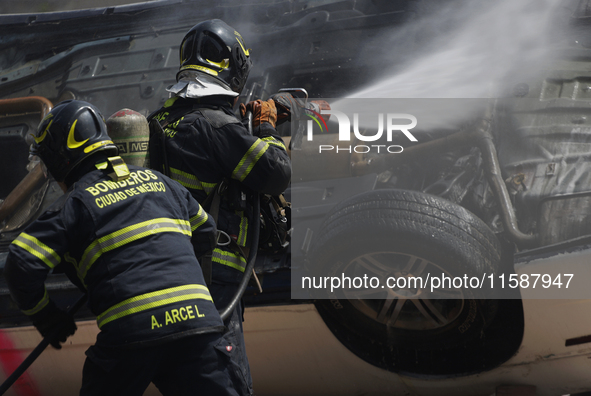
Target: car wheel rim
409 303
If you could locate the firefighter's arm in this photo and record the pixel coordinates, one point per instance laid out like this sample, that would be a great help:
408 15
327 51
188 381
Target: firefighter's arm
275 179
203 228
264 165
26 283
33 255
262 160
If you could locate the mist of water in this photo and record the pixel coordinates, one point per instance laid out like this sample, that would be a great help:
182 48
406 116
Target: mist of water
487 46
499 39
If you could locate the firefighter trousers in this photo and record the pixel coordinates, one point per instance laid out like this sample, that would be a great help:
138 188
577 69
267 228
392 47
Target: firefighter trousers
195 365
222 294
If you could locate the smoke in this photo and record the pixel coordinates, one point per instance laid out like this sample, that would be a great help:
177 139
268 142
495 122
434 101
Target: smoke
491 42
482 49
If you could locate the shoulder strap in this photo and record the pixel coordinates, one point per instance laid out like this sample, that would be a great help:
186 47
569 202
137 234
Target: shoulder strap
156 148
212 206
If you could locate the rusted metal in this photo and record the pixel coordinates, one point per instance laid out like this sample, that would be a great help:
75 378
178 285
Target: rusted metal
19 106
21 191
499 188
29 104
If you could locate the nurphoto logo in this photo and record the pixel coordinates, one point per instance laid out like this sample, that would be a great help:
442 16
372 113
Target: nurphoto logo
395 123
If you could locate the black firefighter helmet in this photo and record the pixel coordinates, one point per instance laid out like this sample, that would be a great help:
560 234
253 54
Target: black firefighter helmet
71 132
214 48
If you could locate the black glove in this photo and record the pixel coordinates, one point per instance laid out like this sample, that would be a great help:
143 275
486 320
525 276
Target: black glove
55 323
285 104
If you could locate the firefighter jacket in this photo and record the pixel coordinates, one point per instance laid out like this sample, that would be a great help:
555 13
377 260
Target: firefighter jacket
206 144
133 245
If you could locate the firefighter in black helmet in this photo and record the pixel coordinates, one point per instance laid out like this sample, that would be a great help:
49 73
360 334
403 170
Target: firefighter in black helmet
210 152
214 48
127 236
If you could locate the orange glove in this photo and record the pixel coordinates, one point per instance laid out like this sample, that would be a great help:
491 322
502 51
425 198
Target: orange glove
262 111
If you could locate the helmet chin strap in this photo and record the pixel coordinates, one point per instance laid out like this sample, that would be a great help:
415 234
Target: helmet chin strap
119 168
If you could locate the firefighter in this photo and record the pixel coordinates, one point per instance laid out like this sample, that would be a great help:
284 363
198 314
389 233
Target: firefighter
128 236
211 152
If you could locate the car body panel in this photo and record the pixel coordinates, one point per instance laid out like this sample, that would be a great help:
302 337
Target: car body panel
292 352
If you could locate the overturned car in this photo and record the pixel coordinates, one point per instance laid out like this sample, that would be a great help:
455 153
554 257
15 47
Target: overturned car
499 195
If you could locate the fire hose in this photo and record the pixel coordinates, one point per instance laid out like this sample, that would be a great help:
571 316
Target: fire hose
226 312
252 256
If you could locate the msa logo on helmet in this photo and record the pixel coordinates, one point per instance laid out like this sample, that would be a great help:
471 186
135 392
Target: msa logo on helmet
393 125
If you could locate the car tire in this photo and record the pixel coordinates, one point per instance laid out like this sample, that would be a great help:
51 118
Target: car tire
402 234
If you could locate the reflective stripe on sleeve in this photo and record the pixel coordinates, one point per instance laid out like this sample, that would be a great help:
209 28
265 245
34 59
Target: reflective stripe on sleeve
127 235
40 305
153 300
232 260
250 159
243 231
274 142
191 181
198 219
38 249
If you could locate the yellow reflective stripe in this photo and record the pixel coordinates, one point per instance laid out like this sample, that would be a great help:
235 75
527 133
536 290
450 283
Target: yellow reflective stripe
72 143
153 300
40 305
250 159
169 103
127 235
230 259
92 147
40 138
200 68
68 257
243 230
198 220
190 181
74 262
222 65
242 46
274 142
38 249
